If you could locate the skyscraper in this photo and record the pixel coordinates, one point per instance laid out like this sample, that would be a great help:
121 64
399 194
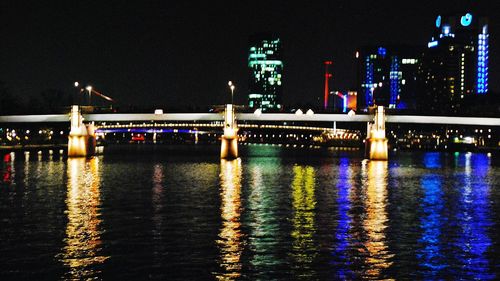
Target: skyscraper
265 67
455 65
387 76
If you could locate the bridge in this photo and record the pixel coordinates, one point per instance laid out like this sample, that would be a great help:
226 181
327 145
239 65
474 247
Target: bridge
82 136
264 117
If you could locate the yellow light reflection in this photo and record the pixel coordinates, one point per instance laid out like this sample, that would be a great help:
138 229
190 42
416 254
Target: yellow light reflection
376 220
82 251
230 236
304 202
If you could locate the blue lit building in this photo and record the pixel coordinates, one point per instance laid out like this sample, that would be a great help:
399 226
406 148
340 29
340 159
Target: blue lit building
265 67
454 66
387 76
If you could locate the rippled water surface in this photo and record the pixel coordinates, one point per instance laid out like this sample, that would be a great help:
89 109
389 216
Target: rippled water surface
180 213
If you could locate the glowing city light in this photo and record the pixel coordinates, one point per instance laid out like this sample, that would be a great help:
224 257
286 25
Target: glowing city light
466 19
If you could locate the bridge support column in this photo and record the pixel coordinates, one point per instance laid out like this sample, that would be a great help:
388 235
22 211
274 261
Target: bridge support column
229 141
376 142
81 139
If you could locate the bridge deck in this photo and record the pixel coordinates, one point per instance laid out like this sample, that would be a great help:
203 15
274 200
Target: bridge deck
271 117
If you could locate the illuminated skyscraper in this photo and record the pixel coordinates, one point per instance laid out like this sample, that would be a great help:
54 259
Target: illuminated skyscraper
387 76
265 67
455 65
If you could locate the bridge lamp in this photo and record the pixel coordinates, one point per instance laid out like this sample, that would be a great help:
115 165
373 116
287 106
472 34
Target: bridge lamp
231 86
89 88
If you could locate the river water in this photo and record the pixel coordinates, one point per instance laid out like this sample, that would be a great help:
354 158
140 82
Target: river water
180 213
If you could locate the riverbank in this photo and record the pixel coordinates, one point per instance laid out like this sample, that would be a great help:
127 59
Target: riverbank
33 147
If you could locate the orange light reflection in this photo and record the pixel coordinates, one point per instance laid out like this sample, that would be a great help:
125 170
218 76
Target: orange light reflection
376 220
83 232
230 236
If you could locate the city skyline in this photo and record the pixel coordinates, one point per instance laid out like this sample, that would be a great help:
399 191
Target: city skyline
186 53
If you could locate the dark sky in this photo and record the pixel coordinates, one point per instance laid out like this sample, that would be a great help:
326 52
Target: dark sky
184 52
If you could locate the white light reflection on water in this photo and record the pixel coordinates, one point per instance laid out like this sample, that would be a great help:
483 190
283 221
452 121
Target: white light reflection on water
264 241
158 217
82 251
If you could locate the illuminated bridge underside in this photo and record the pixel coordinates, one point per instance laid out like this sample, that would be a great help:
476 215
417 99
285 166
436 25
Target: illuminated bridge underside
159 127
271 117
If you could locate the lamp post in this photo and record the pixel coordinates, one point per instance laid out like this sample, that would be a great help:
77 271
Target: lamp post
77 85
91 91
231 86
89 88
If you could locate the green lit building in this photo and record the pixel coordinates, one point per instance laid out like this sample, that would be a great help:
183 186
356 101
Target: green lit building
265 68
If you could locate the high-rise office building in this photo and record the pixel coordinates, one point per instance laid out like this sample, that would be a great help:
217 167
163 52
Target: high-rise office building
265 67
454 66
387 76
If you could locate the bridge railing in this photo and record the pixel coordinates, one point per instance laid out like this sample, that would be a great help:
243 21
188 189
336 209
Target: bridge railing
272 117
448 120
46 118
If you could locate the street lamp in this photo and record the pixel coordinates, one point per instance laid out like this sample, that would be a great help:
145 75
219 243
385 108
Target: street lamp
231 86
89 88
77 85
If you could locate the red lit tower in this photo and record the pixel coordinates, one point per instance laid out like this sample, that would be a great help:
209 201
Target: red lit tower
328 75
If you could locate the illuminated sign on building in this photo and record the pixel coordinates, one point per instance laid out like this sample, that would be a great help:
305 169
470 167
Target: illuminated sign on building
466 20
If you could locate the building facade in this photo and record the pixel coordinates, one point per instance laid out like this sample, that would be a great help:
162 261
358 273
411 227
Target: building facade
387 76
265 65
454 67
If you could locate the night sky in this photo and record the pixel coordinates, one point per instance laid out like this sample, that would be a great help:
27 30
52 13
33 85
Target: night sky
154 53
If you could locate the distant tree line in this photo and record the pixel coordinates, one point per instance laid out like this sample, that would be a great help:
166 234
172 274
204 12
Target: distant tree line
47 102
53 101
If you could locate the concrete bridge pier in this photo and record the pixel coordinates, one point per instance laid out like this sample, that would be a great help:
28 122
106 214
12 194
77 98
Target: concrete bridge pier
229 141
376 142
81 139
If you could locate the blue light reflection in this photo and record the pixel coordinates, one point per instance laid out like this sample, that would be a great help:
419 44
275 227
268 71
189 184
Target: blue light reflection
432 160
473 218
342 237
430 256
